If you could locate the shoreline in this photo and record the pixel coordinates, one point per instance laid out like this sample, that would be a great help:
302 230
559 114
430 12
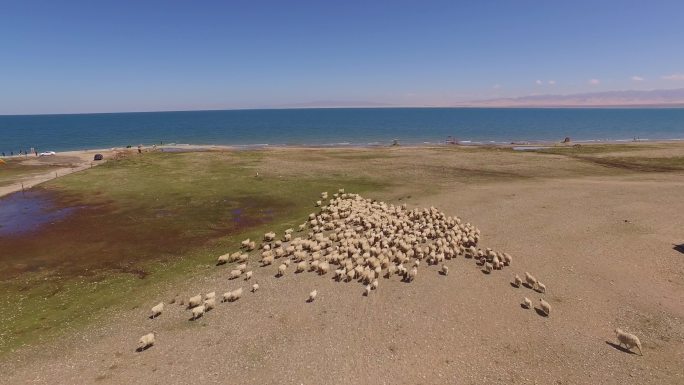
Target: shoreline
353 145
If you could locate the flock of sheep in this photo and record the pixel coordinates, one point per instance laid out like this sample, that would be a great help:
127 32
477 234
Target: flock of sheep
361 240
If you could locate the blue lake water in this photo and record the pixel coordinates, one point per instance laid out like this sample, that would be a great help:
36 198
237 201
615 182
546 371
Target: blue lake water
344 126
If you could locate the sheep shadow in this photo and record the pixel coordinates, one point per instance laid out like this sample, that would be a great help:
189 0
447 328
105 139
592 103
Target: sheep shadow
142 348
195 319
309 300
679 247
620 348
522 305
514 285
484 271
540 312
527 285
441 272
153 316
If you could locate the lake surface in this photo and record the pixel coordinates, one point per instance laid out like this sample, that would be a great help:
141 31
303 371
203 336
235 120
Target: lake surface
337 127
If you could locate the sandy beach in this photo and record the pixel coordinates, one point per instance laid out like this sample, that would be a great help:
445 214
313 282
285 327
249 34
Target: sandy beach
600 226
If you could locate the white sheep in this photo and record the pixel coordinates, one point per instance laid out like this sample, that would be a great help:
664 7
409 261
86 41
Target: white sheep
367 290
146 341
517 281
412 274
248 275
197 312
488 267
210 295
209 303
195 301
507 259
282 269
157 309
541 287
527 303
312 296
267 260
235 274
544 306
301 266
375 284
391 269
232 296
628 339
245 243
530 280
445 270
255 287
223 259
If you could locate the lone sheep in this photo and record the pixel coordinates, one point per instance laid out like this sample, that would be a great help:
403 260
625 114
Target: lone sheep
445 270
146 341
628 339
235 274
255 287
312 296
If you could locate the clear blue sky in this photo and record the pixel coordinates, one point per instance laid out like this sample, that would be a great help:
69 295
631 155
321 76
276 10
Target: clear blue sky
88 56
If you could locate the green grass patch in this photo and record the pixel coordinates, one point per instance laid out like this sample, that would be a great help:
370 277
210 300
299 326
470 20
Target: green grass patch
149 221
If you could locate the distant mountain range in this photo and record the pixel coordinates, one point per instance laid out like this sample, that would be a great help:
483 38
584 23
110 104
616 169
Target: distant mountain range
652 98
334 104
629 98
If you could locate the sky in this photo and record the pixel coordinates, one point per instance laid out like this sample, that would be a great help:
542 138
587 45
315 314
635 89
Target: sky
107 56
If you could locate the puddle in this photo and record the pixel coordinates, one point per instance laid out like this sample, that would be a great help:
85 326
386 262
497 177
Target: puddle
530 148
22 213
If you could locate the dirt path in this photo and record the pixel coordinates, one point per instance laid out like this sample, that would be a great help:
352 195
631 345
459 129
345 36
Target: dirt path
63 163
